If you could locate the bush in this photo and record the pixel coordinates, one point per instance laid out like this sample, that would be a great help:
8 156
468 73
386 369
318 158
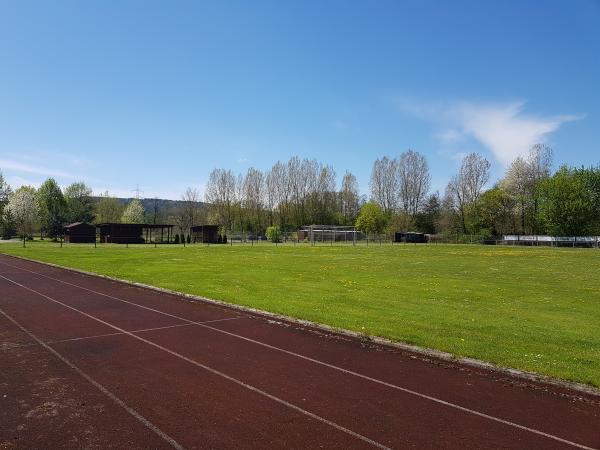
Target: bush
273 234
176 239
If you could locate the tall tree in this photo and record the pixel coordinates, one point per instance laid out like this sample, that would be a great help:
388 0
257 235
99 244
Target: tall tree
427 220
253 197
568 202
465 188
80 206
384 184
108 209
52 208
371 218
349 198
192 209
517 184
496 211
22 209
221 195
5 192
413 181
134 212
522 181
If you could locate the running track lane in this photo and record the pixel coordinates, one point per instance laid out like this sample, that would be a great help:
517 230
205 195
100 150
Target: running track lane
338 393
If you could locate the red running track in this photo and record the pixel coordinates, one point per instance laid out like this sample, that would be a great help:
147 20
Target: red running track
91 363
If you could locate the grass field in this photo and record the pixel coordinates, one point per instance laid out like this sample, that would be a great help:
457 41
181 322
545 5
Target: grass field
536 309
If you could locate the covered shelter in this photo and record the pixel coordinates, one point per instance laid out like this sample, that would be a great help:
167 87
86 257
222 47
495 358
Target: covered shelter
329 233
207 234
134 233
79 233
410 237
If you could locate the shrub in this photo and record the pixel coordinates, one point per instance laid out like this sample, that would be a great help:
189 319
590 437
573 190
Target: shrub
177 239
273 234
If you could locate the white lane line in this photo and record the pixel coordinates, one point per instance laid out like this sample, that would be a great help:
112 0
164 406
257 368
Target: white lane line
331 366
9 347
104 390
117 334
211 370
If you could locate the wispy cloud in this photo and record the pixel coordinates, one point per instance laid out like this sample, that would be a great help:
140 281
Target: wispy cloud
504 128
37 169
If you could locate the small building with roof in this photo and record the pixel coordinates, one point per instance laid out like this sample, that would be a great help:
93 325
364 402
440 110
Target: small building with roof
134 233
207 234
80 233
411 237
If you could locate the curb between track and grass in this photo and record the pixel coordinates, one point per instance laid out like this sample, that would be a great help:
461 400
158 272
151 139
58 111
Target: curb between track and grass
423 352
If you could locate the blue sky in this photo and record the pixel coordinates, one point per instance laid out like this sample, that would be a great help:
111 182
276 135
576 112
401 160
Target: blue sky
160 93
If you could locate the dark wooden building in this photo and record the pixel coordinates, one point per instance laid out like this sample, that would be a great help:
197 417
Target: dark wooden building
207 234
411 237
80 233
134 233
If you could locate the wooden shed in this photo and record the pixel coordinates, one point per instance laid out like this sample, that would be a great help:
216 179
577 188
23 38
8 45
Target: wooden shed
207 234
134 233
412 237
79 233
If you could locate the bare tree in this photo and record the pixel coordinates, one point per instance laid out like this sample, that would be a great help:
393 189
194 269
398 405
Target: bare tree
221 194
252 200
349 198
413 181
191 208
465 188
325 195
278 193
384 184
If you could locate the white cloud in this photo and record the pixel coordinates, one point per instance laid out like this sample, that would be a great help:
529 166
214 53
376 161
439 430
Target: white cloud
20 167
503 128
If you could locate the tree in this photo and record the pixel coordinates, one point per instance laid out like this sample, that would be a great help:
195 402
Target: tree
384 184
52 208
80 206
496 210
134 212
273 234
6 225
221 195
427 221
517 184
5 191
569 202
108 209
252 198
522 180
413 181
371 218
191 208
464 189
349 198
22 209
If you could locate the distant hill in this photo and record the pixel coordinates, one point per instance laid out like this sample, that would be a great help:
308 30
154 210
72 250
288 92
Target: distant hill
162 206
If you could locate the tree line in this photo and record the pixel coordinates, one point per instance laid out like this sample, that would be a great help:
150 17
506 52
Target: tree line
49 208
529 199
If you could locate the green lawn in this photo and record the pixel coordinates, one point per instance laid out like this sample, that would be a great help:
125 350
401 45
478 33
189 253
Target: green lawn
536 309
